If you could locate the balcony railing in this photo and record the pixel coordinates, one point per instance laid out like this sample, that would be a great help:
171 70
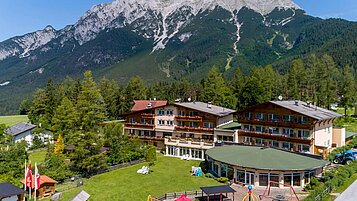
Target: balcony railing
277 123
142 137
148 115
191 142
189 118
139 125
277 137
194 129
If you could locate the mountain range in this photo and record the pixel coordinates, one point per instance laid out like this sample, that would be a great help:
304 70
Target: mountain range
169 40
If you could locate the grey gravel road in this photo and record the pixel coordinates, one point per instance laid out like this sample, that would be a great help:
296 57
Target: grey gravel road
350 194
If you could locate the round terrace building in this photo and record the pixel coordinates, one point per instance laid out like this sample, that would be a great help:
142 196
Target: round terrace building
258 166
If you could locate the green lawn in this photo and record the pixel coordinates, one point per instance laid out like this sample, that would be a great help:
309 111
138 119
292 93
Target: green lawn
169 175
12 120
37 156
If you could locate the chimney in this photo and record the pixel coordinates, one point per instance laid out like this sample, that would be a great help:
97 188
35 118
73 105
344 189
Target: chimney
149 105
297 103
209 105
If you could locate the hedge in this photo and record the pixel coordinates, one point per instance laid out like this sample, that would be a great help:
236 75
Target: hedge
334 179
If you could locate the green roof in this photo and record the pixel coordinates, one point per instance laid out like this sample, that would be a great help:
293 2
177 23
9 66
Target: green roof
350 134
231 126
263 158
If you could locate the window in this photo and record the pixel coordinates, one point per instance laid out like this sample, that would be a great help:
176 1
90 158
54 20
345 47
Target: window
224 170
143 121
132 120
170 123
193 124
247 139
287 145
296 179
196 153
274 144
161 112
208 125
181 113
273 117
169 112
287 179
259 128
184 151
181 123
288 118
307 176
247 127
303 134
225 138
193 113
240 176
161 122
172 151
260 116
288 132
304 120
263 179
215 168
273 130
275 179
304 148
259 141
248 116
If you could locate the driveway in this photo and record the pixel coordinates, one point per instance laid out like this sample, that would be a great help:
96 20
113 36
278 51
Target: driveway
350 194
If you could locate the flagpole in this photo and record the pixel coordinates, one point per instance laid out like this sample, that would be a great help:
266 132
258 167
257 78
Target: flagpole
30 169
25 183
35 181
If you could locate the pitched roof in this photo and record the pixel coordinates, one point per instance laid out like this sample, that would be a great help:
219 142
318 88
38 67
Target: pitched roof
263 158
81 196
230 126
43 180
19 128
207 108
350 134
310 111
8 190
143 104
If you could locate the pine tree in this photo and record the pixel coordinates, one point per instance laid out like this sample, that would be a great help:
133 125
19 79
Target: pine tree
38 108
297 80
90 105
349 88
216 91
59 146
237 85
65 119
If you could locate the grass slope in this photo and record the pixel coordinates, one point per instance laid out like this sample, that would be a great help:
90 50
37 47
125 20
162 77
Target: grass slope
37 156
12 120
169 175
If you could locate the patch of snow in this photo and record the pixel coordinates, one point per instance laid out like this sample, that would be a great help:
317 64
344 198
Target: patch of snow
184 37
7 52
4 83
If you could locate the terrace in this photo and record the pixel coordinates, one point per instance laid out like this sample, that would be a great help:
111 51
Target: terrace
192 143
277 137
195 129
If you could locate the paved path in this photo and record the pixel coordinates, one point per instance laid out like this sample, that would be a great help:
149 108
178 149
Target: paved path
350 194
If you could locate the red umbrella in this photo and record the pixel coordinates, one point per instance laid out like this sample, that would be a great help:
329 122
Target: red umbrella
183 198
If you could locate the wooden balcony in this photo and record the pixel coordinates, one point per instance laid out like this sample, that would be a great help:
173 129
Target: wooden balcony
195 129
189 118
278 123
139 125
148 115
276 137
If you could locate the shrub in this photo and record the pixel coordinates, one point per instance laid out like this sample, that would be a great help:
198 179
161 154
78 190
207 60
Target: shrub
222 179
209 175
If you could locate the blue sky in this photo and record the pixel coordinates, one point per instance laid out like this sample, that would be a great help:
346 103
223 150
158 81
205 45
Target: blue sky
18 17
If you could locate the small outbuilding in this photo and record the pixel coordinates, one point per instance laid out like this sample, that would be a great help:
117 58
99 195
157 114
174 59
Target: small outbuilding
258 166
9 192
47 186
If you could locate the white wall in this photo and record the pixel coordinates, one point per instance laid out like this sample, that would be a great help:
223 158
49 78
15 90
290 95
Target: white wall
166 118
225 119
12 198
28 137
323 134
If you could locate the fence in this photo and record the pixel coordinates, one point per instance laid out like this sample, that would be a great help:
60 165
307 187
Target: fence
178 194
324 194
77 180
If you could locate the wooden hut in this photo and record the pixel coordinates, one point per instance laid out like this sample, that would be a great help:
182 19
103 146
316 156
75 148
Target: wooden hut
46 189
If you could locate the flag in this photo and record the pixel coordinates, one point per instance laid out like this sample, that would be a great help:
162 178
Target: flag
37 178
29 176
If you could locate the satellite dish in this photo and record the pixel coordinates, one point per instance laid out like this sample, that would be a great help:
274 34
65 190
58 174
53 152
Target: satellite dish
280 98
189 99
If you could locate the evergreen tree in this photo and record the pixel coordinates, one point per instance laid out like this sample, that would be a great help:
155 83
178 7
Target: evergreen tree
297 80
237 85
216 91
65 119
38 108
348 88
51 102
90 105
25 107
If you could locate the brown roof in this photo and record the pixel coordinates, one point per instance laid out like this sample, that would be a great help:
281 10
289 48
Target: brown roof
43 180
143 104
